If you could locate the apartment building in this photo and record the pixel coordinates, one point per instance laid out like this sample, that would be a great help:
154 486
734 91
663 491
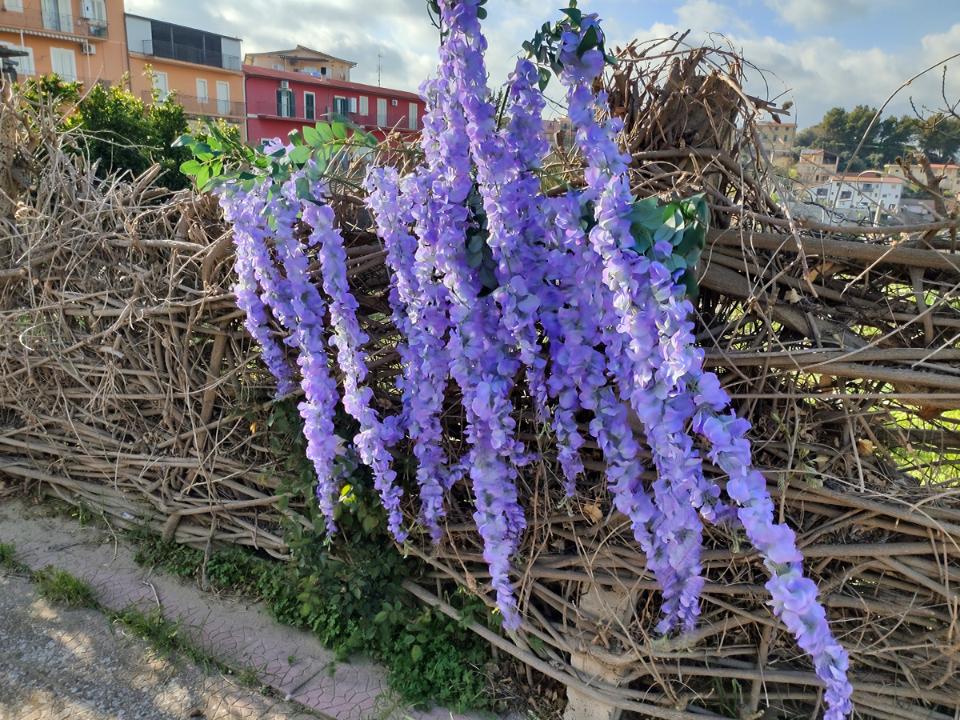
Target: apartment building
280 101
816 167
203 68
777 141
302 59
867 193
79 40
949 174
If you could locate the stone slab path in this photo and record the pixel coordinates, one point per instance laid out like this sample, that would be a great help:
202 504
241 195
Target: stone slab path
73 664
241 634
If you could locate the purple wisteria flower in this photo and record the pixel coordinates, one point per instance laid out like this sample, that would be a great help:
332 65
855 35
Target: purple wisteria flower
601 334
418 314
298 306
374 439
669 386
244 211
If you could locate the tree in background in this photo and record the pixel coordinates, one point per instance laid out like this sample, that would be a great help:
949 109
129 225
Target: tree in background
115 129
840 132
939 137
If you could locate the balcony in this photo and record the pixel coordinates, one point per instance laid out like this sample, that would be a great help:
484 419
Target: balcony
36 20
206 107
191 54
394 121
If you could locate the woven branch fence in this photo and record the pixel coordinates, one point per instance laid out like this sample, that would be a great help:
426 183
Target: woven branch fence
128 384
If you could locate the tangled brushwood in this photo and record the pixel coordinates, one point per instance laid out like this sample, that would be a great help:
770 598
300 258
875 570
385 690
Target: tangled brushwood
585 296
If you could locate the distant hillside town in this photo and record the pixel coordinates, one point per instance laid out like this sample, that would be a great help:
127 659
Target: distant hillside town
855 166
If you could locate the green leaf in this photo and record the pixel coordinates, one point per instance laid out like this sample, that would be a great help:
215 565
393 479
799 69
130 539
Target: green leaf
590 40
203 177
326 134
544 78
191 167
575 15
312 137
301 154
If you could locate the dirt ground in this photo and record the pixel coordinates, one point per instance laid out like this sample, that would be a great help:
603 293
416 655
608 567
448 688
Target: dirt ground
75 664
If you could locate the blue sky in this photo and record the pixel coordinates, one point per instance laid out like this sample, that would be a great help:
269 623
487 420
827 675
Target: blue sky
818 53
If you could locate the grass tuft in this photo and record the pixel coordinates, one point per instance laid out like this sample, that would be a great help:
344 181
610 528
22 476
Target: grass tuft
61 587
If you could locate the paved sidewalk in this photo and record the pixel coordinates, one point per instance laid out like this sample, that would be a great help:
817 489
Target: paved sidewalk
63 664
242 635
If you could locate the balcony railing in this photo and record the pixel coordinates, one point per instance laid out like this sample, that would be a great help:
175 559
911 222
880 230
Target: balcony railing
54 21
190 54
394 120
194 105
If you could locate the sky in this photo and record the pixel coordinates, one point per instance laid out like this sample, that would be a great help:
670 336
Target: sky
816 53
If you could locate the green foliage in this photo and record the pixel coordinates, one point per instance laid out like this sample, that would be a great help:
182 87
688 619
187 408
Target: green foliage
165 637
59 586
840 132
8 558
939 137
115 128
544 47
217 158
176 559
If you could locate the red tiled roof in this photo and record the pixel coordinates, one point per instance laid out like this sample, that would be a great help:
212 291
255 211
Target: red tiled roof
254 71
866 179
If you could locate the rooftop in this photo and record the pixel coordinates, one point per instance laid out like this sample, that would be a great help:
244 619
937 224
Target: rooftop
185 27
254 71
867 177
301 52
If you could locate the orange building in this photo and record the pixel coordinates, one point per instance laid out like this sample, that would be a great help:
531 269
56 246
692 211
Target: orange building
203 68
76 39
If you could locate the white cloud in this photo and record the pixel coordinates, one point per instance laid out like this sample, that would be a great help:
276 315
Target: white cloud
810 13
816 70
703 15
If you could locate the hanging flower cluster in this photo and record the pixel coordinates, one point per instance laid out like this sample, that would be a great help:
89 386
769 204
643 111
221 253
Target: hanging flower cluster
582 294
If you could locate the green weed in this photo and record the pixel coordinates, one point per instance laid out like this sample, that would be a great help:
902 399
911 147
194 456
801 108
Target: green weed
59 586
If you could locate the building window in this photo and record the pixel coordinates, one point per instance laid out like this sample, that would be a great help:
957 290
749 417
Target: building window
57 15
310 106
203 94
95 11
223 98
161 84
286 103
364 105
412 116
382 112
24 65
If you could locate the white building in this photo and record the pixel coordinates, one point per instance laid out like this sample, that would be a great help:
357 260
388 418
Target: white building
868 193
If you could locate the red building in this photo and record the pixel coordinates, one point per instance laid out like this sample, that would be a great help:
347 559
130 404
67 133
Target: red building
279 101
